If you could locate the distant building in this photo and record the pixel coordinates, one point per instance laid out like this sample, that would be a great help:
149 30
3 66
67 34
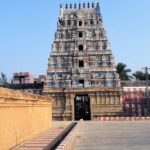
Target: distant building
26 82
23 78
40 79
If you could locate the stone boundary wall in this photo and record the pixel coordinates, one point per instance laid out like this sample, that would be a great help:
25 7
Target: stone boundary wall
134 104
102 119
69 142
22 116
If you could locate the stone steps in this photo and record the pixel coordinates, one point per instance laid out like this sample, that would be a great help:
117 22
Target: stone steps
42 141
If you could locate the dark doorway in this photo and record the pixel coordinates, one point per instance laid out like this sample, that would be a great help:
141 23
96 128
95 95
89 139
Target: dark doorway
80 47
80 34
81 63
82 107
80 23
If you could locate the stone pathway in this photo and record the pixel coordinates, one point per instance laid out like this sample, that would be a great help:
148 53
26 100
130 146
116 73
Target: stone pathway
114 136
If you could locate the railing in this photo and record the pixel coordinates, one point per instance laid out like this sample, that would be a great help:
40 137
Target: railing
134 83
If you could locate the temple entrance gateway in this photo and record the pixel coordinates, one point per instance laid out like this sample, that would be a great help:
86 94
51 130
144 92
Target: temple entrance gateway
82 107
81 74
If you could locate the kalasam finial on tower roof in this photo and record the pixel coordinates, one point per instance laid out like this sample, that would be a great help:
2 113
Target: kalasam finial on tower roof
88 5
98 9
75 6
83 5
79 6
92 5
66 6
70 6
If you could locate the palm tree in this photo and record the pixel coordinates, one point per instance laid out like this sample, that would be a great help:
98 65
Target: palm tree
123 72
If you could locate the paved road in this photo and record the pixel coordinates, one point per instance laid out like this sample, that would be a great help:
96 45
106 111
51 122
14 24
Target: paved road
114 136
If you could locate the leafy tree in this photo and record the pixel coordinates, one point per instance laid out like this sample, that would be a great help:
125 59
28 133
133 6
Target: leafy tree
139 75
123 71
3 79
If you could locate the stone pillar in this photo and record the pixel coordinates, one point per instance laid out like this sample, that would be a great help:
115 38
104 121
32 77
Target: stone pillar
103 99
112 101
117 99
98 98
73 106
107 99
67 113
92 99
120 97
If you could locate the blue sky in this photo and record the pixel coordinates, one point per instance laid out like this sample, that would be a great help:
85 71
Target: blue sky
27 30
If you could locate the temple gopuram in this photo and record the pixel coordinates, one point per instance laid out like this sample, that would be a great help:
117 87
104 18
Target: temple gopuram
81 75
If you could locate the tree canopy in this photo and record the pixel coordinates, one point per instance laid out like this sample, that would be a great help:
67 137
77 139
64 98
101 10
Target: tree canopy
3 79
123 71
139 75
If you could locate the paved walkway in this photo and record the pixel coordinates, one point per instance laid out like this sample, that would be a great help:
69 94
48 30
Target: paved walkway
114 136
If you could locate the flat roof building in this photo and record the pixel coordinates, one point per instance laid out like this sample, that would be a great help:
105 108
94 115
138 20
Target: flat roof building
22 78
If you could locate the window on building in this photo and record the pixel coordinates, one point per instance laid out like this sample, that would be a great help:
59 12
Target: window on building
80 47
81 83
81 63
80 23
80 34
59 75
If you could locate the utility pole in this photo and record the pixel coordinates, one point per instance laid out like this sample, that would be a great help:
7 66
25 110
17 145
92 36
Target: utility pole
147 91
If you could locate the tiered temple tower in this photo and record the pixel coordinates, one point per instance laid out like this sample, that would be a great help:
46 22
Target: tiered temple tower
81 75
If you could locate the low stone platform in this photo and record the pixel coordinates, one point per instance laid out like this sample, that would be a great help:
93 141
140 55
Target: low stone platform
114 135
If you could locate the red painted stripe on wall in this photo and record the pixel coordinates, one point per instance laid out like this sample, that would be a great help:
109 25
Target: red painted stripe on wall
135 102
130 104
124 102
141 100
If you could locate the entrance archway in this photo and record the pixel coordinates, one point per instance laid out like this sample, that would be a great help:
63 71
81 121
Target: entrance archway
82 107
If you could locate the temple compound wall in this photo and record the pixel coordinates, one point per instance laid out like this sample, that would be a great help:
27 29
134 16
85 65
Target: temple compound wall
22 116
134 101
